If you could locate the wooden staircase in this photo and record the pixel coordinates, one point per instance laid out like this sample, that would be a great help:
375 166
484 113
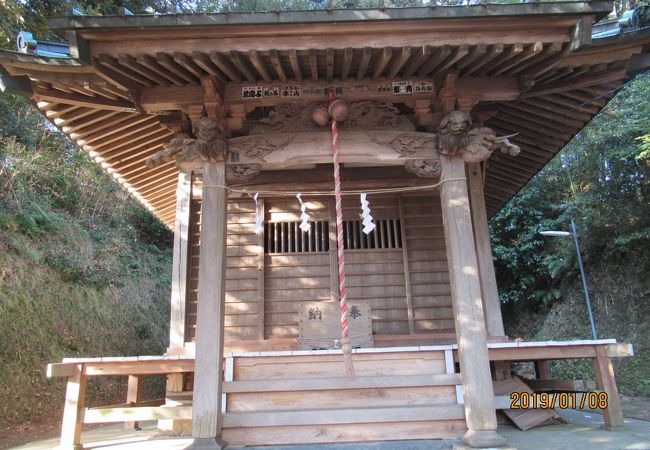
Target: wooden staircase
306 398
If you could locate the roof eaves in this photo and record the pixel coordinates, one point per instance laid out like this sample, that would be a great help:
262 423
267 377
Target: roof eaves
598 8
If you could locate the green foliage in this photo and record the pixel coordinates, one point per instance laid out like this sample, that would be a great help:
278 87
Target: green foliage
84 269
599 181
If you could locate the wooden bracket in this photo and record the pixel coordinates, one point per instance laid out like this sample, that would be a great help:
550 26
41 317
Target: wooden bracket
212 97
447 95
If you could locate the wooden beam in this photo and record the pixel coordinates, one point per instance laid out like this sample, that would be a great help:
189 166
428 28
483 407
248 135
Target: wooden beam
170 98
150 63
206 399
363 64
420 57
438 56
384 59
109 129
277 65
545 57
483 88
480 412
241 65
114 65
188 64
341 383
348 54
329 64
456 55
52 95
295 65
530 51
225 67
487 276
414 33
78 121
494 53
102 415
257 62
116 79
563 86
120 137
399 62
128 145
513 50
313 64
344 415
476 53
204 62
168 63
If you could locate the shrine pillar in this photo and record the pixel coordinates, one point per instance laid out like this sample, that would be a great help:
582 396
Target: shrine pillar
478 394
208 373
487 276
180 260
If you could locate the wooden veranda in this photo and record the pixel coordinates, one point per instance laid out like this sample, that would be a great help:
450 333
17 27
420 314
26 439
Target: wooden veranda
449 112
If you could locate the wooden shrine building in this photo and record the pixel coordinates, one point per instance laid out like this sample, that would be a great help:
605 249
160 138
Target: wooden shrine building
446 112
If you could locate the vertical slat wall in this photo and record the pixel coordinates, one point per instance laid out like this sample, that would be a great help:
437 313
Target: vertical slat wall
377 274
194 237
241 321
427 258
290 277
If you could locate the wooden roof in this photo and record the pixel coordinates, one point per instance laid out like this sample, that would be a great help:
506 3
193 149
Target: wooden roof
117 94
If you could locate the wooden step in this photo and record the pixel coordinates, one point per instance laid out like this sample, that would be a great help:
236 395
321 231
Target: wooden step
344 416
335 383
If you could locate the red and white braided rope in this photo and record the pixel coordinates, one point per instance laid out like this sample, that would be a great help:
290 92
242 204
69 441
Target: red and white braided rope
345 335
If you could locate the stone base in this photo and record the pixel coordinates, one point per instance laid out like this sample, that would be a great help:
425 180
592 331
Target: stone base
484 439
207 444
467 447
605 427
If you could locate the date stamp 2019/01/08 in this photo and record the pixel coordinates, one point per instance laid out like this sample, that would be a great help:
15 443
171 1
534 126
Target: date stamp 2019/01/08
562 400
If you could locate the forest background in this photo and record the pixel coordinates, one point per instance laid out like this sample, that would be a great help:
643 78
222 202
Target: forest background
85 270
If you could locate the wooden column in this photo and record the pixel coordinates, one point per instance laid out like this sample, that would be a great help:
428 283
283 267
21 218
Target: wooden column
542 370
180 260
73 410
206 399
606 381
261 316
480 412
407 269
488 280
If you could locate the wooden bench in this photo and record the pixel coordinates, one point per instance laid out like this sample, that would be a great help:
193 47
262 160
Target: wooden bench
77 370
599 351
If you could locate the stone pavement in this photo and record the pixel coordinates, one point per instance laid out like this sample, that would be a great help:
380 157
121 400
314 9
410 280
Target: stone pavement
583 431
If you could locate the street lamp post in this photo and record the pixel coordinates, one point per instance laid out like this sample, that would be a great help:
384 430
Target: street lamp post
574 233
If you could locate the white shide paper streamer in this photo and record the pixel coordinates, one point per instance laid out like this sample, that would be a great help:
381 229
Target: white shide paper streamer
304 217
368 226
259 217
